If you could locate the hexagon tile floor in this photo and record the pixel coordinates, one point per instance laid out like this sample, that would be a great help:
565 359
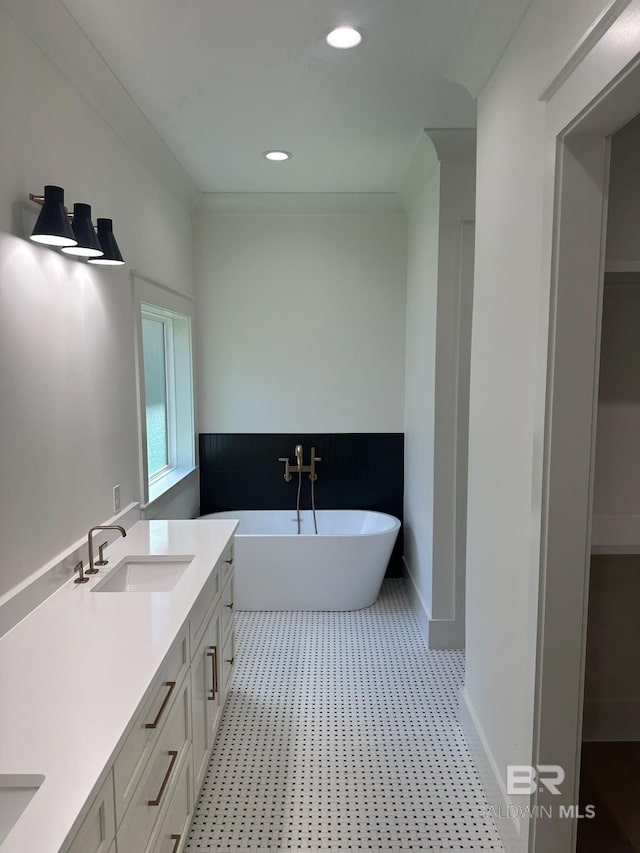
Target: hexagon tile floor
341 733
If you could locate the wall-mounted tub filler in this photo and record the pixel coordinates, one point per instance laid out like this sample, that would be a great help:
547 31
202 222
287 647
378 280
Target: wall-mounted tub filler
300 468
101 562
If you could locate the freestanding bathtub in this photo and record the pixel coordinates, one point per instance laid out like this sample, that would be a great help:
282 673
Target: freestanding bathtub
340 568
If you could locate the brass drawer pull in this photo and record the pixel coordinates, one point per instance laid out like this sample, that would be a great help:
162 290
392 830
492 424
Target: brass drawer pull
174 757
230 660
230 606
213 654
154 725
176 838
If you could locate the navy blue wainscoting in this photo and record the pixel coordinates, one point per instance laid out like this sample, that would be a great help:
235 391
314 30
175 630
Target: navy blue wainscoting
358 471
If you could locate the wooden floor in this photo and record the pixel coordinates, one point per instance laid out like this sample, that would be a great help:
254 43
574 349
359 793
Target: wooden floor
610 781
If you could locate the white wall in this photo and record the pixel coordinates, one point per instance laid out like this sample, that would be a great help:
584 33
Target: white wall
68 413
420 390
453 344
301 320
511 304
439 299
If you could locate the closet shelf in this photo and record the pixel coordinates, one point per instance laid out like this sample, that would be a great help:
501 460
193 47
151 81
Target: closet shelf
622 267
615 534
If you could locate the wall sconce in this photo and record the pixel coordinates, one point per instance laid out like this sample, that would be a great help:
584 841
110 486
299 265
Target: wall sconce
84 232
111 253
52 227
74 232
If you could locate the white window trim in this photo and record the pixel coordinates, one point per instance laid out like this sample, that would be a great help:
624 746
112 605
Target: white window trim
158 299
153 312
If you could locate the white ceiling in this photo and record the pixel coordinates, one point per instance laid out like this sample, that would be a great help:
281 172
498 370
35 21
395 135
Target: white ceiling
221 81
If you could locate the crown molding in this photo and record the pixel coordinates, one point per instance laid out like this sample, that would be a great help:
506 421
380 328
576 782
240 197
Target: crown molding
457 143
436 145
299 204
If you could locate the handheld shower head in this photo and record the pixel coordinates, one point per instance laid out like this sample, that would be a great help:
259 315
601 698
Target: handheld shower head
299 455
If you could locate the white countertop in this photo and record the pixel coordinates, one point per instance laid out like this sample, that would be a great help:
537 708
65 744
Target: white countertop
74 672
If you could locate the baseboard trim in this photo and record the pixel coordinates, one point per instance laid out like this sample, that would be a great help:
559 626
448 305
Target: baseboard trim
26 596
611 720
438 633
513 831
419 604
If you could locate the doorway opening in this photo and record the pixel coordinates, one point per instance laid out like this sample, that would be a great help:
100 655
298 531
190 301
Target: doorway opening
590 497
610 755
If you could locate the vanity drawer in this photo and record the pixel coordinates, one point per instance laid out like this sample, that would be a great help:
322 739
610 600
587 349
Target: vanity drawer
226 561
228 653
99 826
158 777
226 612
132 758
171 836
200 610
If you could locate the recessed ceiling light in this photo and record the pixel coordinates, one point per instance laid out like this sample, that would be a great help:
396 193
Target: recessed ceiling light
344 37
278 156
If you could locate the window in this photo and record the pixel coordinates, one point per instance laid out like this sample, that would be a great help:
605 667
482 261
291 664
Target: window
166 391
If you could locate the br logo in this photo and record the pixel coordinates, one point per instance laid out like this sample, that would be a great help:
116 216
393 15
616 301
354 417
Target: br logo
525 779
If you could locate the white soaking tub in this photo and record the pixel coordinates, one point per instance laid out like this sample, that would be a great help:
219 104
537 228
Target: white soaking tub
340 568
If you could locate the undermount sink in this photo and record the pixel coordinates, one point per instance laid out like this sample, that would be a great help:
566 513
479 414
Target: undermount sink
145 574
16 791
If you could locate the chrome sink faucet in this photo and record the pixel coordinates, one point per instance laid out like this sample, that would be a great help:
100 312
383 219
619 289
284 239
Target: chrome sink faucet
101 562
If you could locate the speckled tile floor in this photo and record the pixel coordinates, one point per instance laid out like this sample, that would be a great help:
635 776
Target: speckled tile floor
341 733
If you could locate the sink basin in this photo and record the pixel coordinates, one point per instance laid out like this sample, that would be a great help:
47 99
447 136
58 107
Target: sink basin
16 791
145 574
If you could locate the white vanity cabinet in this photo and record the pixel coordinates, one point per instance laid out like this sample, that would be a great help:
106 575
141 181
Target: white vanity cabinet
149 789
228 637
141 741
171 833
158 780
205 686
146 805
207 671
99 826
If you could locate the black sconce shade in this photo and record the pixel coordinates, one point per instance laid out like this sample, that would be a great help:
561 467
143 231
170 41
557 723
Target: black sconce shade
84 232
53 227
112 256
